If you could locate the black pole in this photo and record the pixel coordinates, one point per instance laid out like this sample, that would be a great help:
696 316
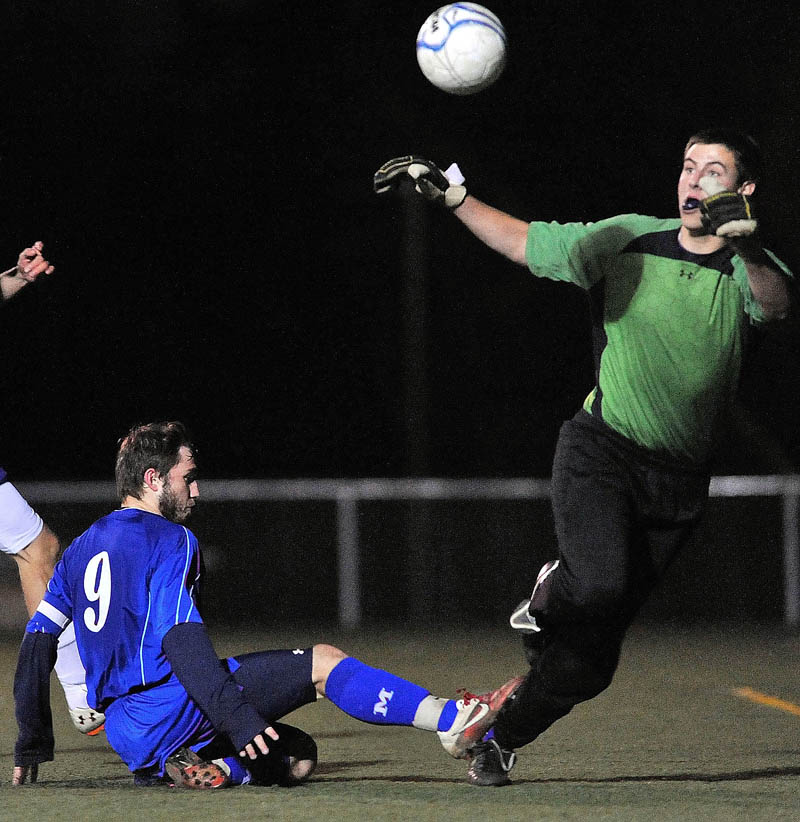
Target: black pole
416 398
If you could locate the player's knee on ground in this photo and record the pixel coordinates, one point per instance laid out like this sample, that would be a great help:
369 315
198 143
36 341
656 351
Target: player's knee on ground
293 762
300 750
301 769
325 659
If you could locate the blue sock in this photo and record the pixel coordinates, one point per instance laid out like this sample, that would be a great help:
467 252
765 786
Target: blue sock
239 775
373 695
447 716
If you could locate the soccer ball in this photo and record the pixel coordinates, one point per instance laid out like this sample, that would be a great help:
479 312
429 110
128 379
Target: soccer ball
461 48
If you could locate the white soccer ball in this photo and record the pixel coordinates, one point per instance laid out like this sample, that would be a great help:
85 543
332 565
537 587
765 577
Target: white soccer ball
461 48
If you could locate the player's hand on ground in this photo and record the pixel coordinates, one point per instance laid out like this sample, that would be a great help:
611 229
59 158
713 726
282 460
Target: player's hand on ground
429 180
726 213
258 746
25 773
31 263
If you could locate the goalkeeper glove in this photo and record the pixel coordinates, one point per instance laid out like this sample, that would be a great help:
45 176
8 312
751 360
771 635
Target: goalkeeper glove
433 184
726 213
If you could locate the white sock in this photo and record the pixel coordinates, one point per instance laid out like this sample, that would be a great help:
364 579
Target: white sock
428 713
69 669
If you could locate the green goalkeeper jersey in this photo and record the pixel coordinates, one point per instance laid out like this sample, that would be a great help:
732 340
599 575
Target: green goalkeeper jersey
669 325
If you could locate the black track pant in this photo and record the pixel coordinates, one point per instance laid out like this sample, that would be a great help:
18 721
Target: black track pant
622 513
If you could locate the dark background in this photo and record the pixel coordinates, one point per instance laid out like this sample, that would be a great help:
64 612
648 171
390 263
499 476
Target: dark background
200 173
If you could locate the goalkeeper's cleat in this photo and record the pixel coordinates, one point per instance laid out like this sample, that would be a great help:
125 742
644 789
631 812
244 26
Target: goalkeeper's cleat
87 720
476 715
490 765
521 618
185 769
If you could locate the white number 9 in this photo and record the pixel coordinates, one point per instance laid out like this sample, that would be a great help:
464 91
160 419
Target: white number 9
97 589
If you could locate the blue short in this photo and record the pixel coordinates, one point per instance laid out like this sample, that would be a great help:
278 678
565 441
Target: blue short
146 727
275 682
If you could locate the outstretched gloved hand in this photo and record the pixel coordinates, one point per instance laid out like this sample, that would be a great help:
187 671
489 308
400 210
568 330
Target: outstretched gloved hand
429 180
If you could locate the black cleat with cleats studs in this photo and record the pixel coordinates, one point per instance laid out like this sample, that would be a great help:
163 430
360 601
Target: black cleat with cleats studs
490 765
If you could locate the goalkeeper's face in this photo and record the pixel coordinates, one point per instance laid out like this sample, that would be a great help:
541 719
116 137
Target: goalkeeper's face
705 160
179 492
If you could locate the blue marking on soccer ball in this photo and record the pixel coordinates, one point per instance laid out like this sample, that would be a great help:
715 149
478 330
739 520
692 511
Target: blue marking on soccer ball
461 48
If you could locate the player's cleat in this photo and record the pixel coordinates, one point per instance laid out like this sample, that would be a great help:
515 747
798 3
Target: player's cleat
476 715
522 619
186 769
490 765
87 720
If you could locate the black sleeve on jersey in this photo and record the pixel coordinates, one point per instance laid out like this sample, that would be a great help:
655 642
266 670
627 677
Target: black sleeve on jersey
37 656
209 683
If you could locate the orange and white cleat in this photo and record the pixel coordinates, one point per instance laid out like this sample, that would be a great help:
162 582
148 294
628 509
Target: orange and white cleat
476 715
185 769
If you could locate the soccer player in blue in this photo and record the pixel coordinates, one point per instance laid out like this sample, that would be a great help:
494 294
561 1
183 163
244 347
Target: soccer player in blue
173 710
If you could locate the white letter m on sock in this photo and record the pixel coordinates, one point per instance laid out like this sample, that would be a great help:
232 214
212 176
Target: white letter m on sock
382 705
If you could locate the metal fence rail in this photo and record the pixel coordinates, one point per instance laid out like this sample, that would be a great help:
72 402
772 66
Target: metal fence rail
347 494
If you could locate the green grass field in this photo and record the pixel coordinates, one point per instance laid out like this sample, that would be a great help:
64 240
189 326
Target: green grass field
670 740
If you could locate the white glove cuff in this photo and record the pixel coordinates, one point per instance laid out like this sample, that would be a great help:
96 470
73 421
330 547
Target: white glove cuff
454 196
737 228
454 175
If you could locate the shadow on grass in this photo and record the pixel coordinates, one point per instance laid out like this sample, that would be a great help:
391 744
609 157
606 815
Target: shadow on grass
325 771
734 776
331 772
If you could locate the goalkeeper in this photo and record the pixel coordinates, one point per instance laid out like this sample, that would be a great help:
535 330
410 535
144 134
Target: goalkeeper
672 303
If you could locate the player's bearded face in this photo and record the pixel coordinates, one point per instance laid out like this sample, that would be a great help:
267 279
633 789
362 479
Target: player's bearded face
171 506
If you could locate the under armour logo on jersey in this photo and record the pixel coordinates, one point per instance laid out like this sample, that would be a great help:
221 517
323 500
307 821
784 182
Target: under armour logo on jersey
382 705
688 274
297 651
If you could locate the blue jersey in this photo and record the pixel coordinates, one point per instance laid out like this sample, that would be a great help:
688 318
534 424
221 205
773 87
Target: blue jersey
125 583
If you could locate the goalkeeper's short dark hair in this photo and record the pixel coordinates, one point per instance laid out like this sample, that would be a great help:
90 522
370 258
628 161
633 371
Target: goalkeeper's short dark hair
745 149
153 445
